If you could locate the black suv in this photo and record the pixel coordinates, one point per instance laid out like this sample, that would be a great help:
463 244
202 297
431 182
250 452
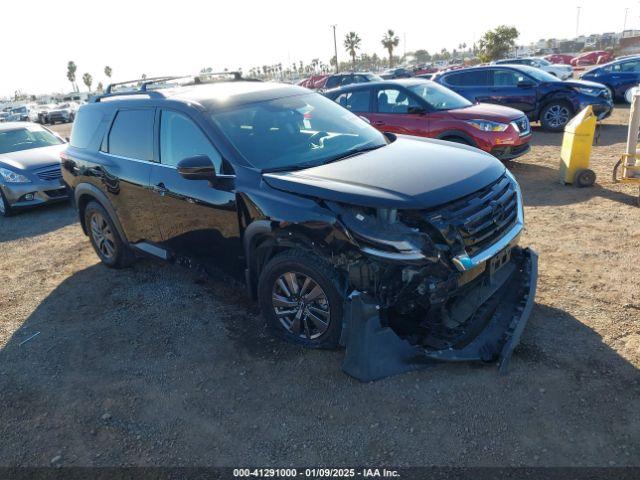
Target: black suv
314 206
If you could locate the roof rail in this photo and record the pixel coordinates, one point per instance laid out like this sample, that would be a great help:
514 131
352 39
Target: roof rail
142 86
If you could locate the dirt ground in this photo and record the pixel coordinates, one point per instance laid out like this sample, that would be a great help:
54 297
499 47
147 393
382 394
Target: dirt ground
149 366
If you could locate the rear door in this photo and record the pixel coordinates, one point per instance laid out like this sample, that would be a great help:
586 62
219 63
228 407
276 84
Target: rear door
195 217
357 101
473 84
394 111
129 154
625 75
512 88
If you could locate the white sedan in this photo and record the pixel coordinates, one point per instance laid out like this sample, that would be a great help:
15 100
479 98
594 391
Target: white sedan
559 70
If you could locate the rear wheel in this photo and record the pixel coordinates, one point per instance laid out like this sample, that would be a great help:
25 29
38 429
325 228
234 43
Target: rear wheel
555 116
301 299
106 241
5 208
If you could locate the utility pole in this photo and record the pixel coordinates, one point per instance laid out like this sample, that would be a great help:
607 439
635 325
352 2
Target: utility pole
335 46
624 27
578 22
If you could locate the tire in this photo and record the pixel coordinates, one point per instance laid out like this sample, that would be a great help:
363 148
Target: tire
628 95
314 323
106 241
5 208
555 115
584 178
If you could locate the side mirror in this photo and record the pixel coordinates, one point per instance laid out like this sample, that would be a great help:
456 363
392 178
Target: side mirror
199 167
526 84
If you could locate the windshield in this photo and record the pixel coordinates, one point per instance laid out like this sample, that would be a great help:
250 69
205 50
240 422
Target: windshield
296 132
439 97
26 138
543 62
19 110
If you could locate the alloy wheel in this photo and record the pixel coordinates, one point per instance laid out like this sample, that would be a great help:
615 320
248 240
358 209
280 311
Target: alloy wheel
301 305
102 235
557 116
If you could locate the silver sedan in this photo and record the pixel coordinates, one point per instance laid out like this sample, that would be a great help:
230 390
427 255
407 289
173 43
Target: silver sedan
30 172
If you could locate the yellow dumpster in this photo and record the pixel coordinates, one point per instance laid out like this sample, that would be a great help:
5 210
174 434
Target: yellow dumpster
576 149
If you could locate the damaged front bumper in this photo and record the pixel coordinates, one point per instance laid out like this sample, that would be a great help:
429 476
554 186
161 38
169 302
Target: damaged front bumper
374 350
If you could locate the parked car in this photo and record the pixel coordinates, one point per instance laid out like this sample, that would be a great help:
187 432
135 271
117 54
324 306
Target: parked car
592 58
424 69
22 113
4 117
561 71
340 79
393 73
315 206
427 109
559 58
619 76
64 112
540 95
312 81
42 113
29 167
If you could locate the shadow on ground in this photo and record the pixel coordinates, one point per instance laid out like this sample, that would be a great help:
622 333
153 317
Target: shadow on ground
36 221
146 366
541 186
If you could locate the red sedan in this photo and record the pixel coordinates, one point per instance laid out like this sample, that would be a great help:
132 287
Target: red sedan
559 58
597 57
426 109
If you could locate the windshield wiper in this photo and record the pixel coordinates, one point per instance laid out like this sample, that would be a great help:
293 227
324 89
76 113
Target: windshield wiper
353 153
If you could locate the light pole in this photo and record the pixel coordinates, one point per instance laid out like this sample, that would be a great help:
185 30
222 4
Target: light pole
335 46
624 27
577 22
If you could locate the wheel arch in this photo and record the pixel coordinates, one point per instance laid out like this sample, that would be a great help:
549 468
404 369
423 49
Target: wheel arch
85 193
448 134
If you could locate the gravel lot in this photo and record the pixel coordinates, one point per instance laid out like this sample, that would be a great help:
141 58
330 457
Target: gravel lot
150 366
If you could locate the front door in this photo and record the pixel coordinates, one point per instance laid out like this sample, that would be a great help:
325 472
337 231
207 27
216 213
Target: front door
513 89
396 110
196 217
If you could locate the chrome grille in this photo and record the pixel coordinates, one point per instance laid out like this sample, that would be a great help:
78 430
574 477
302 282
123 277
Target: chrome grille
523 125
478 220
53 172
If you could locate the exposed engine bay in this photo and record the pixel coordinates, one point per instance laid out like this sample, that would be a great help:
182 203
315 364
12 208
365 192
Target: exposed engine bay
414 274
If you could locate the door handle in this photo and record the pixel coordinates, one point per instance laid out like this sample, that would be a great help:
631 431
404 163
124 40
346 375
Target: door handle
160 189
378 122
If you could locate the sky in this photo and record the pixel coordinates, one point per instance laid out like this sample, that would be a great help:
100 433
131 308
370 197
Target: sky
182 37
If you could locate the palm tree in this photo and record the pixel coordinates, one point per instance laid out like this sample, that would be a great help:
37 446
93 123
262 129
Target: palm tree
71 75
351 44
88 80
108 72
390 41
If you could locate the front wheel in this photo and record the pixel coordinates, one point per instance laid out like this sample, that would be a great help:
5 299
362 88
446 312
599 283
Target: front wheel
5 208
301 298
106 241
555 116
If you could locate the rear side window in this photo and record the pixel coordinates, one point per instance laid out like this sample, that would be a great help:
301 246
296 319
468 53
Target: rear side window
357 101
506 78
478 78
333 81
85 126
131 135
180 138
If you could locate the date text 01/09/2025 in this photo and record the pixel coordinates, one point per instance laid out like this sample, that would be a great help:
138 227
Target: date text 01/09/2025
315 473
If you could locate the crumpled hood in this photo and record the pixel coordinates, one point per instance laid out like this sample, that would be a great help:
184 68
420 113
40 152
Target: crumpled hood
411 172
33 158
583 84
487 111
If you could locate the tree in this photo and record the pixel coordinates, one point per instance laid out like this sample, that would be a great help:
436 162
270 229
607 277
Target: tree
422 56
71 75
100 87
390 41
495 44
88 80
352 43
108 72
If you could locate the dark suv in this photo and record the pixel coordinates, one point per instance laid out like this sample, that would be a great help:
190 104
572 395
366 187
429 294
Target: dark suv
315 206
342 79
537 93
